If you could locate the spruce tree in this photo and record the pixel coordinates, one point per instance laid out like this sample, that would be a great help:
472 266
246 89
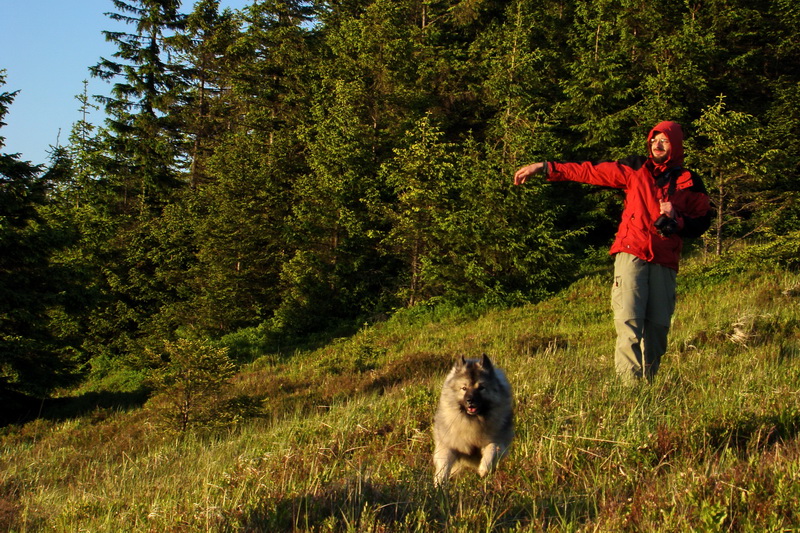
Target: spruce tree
207 48
423 179
241 206
360 108
740 183
144 149
32 357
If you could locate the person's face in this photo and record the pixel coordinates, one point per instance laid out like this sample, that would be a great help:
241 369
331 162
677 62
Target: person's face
660 148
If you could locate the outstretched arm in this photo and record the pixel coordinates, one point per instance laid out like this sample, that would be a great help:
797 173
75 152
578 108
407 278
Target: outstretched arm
522 175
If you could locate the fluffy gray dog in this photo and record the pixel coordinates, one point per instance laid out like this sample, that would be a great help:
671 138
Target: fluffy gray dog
474 423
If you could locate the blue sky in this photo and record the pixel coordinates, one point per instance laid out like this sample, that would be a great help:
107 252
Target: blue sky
46 49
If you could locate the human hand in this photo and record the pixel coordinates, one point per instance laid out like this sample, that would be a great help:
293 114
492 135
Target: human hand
522 175
667 209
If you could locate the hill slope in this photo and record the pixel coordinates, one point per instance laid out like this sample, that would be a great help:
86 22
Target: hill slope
338 439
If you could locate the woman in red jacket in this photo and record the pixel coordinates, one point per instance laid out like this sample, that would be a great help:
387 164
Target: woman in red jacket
664 203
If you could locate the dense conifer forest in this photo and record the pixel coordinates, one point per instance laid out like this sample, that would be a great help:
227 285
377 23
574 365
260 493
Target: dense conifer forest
299 168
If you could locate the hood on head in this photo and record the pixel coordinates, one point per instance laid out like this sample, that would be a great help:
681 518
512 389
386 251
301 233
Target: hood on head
674 133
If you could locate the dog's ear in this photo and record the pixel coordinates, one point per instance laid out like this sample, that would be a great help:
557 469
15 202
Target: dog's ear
461 361
486 363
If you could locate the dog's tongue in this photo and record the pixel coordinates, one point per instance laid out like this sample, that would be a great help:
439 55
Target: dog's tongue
472 410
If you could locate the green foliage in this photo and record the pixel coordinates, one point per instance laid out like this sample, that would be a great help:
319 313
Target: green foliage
304 167
143 140
248 344
206 48
36 332
188 379
740 183
423 178
354 355
772 251
237 241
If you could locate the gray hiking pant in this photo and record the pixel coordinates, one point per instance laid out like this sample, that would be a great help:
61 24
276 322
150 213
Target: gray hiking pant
643 300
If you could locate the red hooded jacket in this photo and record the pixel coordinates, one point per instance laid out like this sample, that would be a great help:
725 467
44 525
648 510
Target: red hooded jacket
645 184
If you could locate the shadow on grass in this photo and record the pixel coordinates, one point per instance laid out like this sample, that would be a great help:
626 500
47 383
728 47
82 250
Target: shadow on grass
750 433
366 506
361 506
19 408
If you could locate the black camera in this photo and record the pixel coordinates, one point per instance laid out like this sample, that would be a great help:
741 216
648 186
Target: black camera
665 225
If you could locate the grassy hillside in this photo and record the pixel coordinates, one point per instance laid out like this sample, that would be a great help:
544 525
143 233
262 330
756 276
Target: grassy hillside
338 439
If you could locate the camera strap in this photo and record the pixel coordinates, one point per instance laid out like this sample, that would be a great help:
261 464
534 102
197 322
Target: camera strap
670 178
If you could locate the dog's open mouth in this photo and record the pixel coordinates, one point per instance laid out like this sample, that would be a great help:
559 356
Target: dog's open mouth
472 410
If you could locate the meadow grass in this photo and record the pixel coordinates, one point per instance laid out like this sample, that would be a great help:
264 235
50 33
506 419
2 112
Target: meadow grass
338 438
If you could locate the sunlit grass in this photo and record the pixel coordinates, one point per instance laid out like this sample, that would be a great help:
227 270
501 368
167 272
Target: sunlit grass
341 437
